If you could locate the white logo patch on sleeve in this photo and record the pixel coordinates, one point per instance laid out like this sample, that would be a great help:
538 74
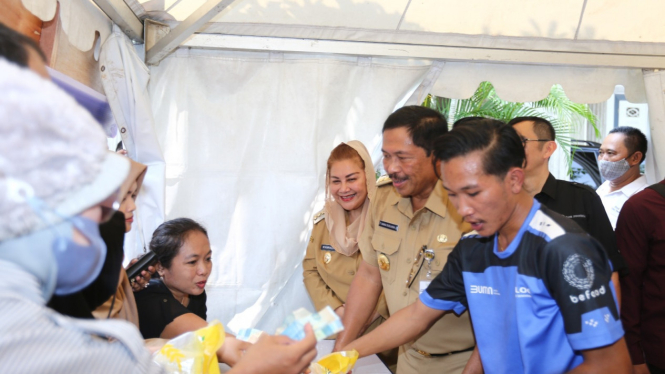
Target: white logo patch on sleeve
592 322
573 268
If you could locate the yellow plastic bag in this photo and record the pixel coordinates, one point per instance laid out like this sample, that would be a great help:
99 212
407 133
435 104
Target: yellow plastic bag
192 352
336 363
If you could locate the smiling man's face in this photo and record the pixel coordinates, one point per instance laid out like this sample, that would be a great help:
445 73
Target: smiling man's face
407 165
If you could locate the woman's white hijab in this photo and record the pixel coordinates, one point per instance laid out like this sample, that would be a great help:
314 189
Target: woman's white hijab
342 237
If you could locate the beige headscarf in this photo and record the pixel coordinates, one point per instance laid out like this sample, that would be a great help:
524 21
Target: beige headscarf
136 174
342 237
124 305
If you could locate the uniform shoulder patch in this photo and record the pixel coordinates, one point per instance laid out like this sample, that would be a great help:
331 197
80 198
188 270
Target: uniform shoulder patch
383 180
319 216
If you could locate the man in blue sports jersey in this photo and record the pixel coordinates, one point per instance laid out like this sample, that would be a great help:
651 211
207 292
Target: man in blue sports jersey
536 286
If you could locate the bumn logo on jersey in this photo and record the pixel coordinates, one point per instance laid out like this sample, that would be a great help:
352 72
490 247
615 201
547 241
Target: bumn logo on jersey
484 290
578 272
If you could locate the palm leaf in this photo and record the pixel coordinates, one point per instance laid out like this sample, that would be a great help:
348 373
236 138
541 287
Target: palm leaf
565 115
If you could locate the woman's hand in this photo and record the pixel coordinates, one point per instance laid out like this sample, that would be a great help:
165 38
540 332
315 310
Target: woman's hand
141 281
232 350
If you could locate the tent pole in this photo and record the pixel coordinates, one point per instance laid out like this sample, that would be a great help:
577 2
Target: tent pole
450 53
185 29
124 17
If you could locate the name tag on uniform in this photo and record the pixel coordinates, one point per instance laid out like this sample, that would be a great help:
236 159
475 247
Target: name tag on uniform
388 225
326 247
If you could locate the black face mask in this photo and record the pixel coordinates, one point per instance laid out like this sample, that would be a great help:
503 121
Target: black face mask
82 303
113 233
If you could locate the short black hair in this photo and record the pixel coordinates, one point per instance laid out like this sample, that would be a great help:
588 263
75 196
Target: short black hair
542 127
501 146
470 121
13 46
634 139
423 124
170 236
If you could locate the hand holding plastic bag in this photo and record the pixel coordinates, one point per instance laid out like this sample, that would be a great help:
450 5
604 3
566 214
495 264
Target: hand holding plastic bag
335 363
193 352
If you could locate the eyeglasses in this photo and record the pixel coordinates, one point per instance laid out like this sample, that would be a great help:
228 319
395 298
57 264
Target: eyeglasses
525 140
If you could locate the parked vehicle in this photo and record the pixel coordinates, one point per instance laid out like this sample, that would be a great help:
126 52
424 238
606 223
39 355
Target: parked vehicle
585 163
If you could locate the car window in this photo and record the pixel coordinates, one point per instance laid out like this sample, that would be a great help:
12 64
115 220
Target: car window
581 174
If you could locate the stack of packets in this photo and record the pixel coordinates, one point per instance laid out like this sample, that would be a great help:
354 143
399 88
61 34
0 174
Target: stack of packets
192 352
325 323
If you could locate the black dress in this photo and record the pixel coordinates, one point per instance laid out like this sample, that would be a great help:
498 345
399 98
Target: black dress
157 308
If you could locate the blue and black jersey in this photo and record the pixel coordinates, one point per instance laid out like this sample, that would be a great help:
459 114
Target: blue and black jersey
537 304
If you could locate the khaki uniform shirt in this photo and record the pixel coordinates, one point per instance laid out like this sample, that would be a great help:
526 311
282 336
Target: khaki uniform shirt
124 304
393 237
327 273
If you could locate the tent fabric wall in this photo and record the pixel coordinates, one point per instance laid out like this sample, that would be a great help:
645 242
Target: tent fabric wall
125 81
654 81
246 137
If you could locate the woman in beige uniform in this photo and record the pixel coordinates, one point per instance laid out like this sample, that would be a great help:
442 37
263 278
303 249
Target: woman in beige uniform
333 257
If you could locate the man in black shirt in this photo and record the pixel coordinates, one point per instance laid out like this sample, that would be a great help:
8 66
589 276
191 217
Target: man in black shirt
573 200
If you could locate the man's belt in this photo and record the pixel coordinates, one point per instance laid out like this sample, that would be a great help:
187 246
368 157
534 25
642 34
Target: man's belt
423 353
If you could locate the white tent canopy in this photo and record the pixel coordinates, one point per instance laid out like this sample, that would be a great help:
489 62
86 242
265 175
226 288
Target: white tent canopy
250 96
612 40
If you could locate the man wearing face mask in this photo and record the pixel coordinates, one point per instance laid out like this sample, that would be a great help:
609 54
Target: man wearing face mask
55 174
622 152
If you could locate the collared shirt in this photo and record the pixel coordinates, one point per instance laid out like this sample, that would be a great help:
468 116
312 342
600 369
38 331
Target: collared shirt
536 304
613 201
581 204
641 236
392 240
328 274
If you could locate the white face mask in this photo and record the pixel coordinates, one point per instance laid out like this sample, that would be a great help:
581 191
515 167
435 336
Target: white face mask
612 170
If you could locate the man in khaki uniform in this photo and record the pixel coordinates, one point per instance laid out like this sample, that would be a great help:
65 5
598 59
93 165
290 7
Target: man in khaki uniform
411 229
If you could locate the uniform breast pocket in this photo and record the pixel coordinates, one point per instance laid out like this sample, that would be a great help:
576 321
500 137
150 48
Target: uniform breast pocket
387 253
